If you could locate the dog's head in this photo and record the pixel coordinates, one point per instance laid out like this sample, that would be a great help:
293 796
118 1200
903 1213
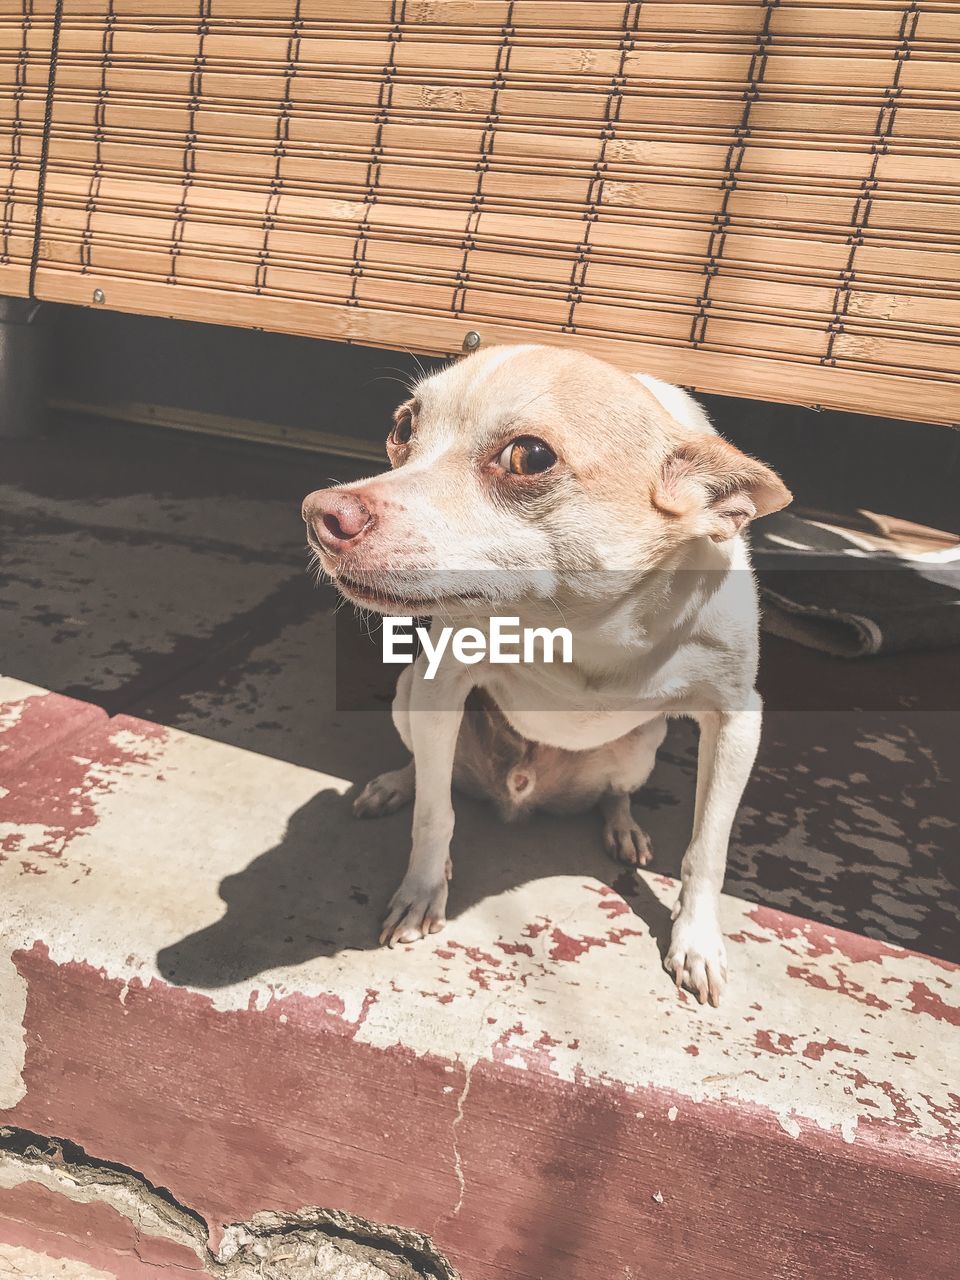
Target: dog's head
522 468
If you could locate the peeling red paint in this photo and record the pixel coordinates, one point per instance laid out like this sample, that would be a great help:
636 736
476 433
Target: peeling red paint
617 936
844 985
535 929
38 722
950 1120
488 969
474 954
293 1046
57 791
902 1110
923 1000
610 901
782 1046
514 948
569 948
743 935
817 1048
238 1110
536 1056
822 940
369 1000
447 997
616 907
34 1217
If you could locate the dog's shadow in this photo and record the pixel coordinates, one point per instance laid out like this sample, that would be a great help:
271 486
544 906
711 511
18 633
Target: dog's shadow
324 887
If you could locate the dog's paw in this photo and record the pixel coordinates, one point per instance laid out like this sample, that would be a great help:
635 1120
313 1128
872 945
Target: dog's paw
416 910
385 794
626 842
697 958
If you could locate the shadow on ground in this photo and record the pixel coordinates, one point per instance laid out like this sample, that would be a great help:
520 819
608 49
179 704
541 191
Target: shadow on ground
324 887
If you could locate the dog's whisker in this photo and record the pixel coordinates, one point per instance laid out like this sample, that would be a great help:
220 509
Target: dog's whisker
418 362
404 375
383 377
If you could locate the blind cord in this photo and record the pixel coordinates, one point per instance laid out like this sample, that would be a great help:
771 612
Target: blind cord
45 145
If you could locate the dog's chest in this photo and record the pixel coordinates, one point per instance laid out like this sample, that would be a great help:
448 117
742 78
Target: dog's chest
557 713
574 730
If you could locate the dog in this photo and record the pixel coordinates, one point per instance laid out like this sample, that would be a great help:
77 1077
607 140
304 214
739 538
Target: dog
544 483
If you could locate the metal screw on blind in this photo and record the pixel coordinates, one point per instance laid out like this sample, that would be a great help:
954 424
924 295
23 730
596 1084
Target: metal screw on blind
99 296
471 340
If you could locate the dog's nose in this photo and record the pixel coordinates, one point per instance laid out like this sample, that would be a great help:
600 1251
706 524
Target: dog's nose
338 517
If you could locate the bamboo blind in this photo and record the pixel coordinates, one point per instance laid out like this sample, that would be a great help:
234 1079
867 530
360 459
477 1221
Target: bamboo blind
758 197
26 29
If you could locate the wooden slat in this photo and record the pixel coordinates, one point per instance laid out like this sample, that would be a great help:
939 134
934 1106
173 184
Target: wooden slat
740 196
931 399
25 35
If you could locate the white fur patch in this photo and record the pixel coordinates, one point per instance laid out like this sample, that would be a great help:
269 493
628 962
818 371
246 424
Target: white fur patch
678 403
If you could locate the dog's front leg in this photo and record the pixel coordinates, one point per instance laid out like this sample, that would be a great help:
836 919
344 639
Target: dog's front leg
728 747
435 713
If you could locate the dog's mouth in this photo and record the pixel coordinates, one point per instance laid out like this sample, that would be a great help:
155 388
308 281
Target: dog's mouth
370 593
416 592
371 596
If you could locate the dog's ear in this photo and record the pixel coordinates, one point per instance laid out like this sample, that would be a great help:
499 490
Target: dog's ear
715 489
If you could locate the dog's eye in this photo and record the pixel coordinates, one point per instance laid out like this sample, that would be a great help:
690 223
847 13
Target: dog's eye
402 427
527 456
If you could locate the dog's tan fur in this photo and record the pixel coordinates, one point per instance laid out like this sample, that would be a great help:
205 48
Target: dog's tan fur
632 540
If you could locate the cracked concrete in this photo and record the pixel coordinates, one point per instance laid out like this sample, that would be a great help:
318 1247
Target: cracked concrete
458 1120
20 1263
313 1244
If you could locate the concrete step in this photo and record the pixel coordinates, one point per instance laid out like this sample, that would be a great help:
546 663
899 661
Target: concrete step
192 1000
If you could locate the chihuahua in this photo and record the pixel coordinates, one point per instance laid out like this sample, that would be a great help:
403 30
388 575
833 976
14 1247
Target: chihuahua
546 484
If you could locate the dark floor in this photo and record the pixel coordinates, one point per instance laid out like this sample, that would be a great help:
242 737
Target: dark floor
164 575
